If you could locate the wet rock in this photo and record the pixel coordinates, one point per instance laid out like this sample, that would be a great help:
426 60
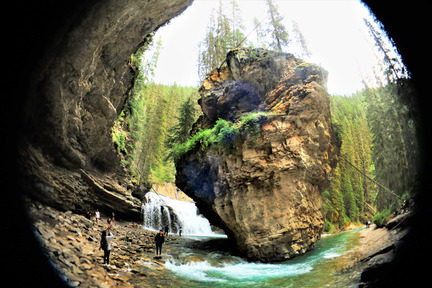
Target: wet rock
378 265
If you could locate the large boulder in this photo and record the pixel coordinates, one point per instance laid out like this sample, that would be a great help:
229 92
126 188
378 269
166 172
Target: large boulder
266 192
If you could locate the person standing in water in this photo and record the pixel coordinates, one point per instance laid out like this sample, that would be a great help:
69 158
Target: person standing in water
106 244
159 240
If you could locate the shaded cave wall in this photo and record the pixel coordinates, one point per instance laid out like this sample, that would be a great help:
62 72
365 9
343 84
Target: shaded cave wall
80 84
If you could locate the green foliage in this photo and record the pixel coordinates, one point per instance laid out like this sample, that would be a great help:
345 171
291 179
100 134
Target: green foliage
251 124
381 218
349 190
201 140
143 127
329 227
224 32
227 136
120 140
180 132
376 129
391 64
119 136
301 42
142 131
272 34
351 208
393 124
223 135
277 30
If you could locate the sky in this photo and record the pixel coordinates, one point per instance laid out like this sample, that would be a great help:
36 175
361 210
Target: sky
334 31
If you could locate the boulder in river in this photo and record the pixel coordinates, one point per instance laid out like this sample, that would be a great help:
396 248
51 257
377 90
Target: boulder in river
264 191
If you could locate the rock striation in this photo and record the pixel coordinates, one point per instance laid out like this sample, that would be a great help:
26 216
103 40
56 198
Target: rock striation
266 192
71 243
67 155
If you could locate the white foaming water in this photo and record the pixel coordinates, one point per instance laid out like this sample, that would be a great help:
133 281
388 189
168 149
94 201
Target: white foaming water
330 255
204 271
159 212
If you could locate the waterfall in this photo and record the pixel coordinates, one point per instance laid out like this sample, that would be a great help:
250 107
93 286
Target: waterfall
160 211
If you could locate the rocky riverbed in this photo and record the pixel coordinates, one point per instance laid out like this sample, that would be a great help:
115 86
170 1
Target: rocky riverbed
72 241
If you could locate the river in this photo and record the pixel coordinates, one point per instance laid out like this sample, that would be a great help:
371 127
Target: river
208 262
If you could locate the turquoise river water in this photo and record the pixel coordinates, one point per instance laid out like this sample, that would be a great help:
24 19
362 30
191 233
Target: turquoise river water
324 266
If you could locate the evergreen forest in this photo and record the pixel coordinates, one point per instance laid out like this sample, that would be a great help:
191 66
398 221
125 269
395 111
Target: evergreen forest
376 127
378 157
155 116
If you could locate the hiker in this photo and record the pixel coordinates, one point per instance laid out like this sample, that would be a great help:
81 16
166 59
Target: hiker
88 215
109 222
159 240
180 231
106 245
166 230
97 216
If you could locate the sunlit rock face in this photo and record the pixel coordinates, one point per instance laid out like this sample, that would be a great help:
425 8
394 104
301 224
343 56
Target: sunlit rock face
265 193
67 156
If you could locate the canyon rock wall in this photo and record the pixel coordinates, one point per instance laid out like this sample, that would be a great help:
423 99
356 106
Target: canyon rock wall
67 155
265 193
171 191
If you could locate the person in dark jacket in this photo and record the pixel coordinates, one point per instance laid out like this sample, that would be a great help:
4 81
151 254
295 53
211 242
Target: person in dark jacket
159 240
106 245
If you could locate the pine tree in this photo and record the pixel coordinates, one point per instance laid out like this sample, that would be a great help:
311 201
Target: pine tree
300 42
260 33
279 34
349 201
180 133
348 191
237 35
333 199
392 65
395 146
223 34
214 47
